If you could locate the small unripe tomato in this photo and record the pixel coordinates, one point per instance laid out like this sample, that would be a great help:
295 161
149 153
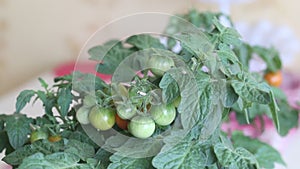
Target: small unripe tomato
102 118
163 114
38 135
126 111
82 115
160 64
274 78
141 126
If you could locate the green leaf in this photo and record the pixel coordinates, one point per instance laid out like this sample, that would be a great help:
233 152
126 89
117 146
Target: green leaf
2 121
231 36
274 111
42 146
110 56
79 135
60 160
43 83
185 154
121 162
250 90
190 95
103 156
238 158
244 52
23 98
18 129
87 83
279 94
227 35
287 117
196 43
230 63
97 53
4 142
270 56
95 164
265 155
211 92
230 97
65 78
48 101
212 121
82 150
170 90
144 41
64 100
139 148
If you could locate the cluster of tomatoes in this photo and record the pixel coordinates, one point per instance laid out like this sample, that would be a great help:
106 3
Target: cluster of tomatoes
127 117
131 115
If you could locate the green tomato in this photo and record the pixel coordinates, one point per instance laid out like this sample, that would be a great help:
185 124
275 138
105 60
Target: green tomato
160 64
82 115
102 118
126 111
141 127
38 135
163 114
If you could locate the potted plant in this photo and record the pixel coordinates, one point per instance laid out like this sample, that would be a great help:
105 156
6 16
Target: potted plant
164 107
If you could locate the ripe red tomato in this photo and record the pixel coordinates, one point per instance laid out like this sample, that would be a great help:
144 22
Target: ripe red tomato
122 124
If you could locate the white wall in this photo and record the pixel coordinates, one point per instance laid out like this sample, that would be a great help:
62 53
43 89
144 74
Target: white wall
37 35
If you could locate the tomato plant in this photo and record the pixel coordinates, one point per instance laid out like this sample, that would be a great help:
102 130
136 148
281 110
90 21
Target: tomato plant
121 123
163 114
141 127
160 64
102 118
38 135
209 70
274 78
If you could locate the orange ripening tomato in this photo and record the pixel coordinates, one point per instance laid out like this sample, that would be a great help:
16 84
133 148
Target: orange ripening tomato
54 139
122 124
274 78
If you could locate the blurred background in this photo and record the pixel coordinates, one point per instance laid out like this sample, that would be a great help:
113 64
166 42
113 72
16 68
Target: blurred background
37 36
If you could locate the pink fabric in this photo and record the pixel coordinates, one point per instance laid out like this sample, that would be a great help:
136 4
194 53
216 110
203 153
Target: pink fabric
84 67
5 166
